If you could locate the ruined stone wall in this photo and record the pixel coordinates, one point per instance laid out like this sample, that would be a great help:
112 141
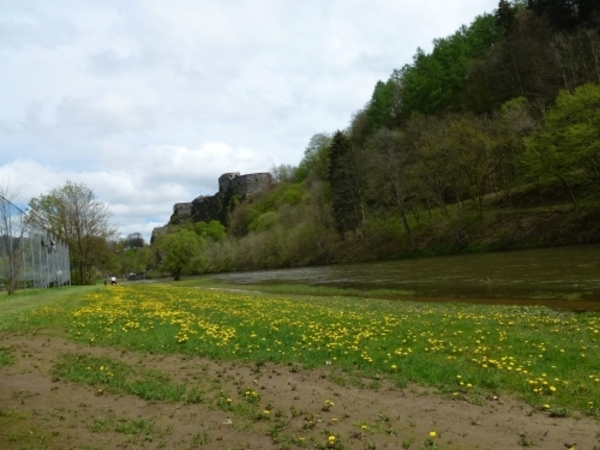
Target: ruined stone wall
182 209
215 207
247 184
225 180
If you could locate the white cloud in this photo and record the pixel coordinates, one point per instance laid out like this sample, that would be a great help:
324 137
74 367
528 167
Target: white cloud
148 102
140 186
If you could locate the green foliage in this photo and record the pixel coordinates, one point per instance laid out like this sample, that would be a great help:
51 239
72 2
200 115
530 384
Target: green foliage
261 211
126 259
73 214
295 228
213 230
384 109
458 156
573 126
346 200
264 221
292 195
316 159
134 241
181 253
436 82
568 143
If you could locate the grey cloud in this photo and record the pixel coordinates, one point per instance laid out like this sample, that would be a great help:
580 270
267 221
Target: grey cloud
105 114
132 58
7 128
33 29
109 62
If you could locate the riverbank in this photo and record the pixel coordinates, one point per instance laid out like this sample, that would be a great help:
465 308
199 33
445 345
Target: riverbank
498 230
536 216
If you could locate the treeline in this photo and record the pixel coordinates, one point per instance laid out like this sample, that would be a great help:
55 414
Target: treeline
491 141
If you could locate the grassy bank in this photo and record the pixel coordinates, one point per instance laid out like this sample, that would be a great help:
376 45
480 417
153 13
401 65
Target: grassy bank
468 352
28 299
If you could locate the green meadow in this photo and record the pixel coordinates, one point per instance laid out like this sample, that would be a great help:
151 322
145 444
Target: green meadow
549 359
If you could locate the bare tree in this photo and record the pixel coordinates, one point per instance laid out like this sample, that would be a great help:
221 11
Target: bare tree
12 230
392 180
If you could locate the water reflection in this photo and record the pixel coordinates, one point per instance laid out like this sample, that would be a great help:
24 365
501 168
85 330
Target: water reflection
543 276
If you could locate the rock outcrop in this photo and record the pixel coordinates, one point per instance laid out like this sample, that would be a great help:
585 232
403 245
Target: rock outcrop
216 207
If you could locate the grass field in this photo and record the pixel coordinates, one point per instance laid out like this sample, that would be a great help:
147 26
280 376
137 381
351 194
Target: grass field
549 359
219 353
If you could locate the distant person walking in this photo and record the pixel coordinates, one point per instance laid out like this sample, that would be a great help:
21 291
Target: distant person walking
113 280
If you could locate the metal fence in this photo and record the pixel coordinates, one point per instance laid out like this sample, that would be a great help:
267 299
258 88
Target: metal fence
30 256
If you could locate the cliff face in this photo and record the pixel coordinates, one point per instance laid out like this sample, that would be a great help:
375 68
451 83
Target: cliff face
205 209
216 207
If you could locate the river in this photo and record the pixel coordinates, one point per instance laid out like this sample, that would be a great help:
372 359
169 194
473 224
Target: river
560 277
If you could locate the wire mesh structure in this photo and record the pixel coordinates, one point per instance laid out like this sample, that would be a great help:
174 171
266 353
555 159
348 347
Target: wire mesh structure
30 256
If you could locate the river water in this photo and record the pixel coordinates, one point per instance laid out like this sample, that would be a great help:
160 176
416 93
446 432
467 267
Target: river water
561 277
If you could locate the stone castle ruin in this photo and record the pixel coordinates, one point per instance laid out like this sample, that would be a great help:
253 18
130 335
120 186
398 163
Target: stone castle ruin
242 185
216 207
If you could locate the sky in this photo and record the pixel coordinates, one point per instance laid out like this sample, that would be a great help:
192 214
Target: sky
148 102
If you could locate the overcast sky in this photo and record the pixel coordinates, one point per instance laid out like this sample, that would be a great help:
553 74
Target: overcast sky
149 102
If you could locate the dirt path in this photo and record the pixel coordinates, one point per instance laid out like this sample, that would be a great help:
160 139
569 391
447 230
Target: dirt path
39 413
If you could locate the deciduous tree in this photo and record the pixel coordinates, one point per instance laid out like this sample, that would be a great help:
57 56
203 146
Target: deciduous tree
315 163
74 214
517 65
181 253
213 230
392 181
566 14
135 241
569 141
436 82
384 109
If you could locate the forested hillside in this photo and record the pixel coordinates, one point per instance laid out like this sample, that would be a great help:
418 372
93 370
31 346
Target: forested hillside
489 142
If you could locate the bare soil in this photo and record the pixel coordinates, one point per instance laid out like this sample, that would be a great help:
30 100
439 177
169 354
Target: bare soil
39 412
